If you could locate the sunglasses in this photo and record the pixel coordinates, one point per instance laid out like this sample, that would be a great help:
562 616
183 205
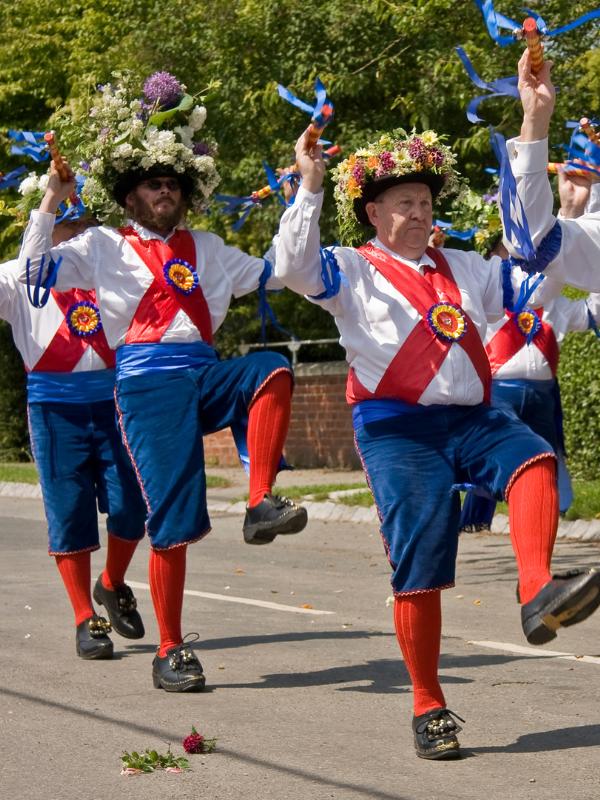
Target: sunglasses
155 184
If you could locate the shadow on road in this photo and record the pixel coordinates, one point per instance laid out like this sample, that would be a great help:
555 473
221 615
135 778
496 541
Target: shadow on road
559 739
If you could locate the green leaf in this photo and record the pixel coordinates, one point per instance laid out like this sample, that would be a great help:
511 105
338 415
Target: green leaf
160 117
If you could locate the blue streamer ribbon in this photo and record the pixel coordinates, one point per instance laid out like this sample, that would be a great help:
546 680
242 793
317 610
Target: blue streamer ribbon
321 112
495 21
592 324
43 285
265 311
34 145
11 179
501 87
330 275
530 259
463 236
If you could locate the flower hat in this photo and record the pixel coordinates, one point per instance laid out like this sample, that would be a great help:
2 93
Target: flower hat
396 157
471 209
128 137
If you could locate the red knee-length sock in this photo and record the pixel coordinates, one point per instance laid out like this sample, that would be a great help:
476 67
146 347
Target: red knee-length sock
268 423
75 570
167 578
533 516
418 620
119 553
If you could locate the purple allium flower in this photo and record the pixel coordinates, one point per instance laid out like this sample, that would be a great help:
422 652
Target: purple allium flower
163 89
201 149
417 149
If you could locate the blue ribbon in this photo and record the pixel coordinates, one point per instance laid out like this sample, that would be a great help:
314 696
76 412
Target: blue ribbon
35 147
42 283
495 21
11 179
592 325
501 87
317 112
330 275
463 236
264 307
531 259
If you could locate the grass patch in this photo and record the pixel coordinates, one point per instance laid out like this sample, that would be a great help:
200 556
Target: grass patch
216 482
364 499
27 473
319 491
18 473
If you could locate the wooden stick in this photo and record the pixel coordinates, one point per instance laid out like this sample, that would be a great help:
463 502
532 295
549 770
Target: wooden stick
534 44
266 191
555 167
59 163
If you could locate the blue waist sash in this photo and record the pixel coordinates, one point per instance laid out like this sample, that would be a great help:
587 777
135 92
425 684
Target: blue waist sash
374 410
137 359
71 387
545 386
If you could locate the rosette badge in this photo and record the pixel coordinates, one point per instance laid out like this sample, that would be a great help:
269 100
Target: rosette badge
83 319
447 321
528 322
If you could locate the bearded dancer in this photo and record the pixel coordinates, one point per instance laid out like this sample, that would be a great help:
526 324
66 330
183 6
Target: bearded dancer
77 448
411 321
163 291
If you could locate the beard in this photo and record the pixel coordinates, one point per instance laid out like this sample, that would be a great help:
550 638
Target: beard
162 216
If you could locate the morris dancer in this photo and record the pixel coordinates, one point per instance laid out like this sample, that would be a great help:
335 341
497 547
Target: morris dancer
578 260
411 319
163 291
77 448
524 351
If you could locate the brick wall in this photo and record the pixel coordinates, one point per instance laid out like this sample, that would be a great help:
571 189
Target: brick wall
320 432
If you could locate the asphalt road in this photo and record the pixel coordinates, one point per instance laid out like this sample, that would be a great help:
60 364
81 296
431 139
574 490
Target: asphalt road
305 705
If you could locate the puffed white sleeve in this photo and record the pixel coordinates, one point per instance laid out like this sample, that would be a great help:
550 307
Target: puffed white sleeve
76 257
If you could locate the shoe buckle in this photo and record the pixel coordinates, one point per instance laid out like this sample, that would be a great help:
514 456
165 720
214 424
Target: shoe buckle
99 627
127 602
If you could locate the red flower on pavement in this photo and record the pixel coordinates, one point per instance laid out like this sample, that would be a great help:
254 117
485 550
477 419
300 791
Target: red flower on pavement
196 743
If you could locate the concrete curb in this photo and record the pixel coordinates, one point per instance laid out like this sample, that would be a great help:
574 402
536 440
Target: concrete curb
583 530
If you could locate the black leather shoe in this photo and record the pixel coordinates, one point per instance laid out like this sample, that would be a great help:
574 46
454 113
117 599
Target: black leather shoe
121 607
565 600
179 670
435 734
272 516
92 640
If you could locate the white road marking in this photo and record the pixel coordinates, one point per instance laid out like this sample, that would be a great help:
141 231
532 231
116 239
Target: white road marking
534 651
247 601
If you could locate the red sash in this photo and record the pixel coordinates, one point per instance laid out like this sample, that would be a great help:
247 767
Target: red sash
507 342
161 302
66 348
419 359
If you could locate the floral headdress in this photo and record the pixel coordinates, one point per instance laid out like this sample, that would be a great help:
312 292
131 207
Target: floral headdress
127 136
31 191
394 158
471 209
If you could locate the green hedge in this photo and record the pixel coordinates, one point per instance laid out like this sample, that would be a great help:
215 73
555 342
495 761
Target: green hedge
579 375
14 439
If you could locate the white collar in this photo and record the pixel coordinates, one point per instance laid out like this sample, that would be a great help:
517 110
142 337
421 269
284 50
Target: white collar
424 261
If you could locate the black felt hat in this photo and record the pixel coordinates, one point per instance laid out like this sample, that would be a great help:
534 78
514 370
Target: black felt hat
129 180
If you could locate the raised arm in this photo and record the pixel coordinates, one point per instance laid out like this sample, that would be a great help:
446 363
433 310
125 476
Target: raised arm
298 259
76 267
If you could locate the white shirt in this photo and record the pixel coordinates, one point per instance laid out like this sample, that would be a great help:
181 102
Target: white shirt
563 315
578 262
373 318
101 259
33 329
